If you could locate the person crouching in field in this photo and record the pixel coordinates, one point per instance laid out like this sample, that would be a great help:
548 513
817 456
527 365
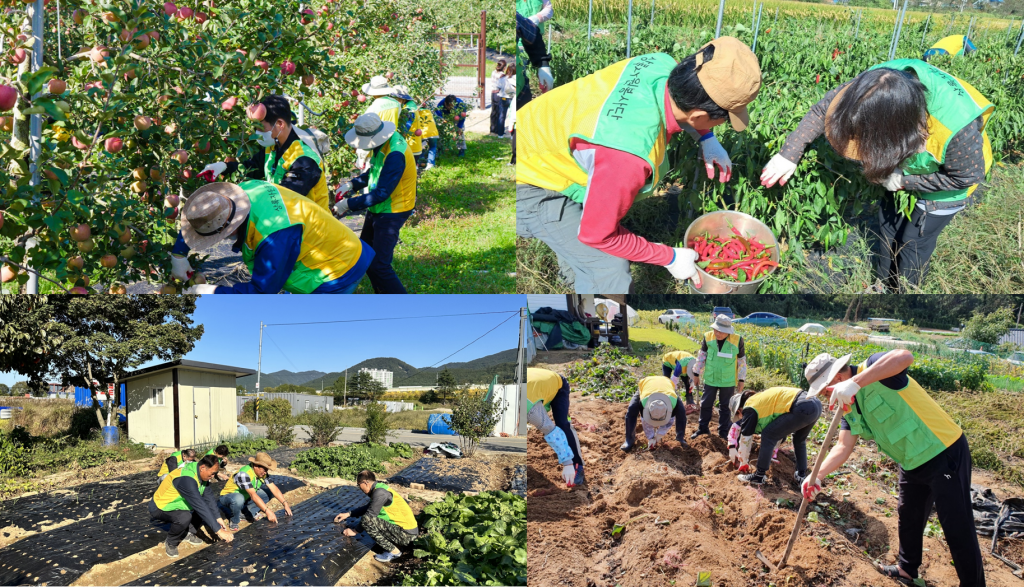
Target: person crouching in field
659 403
180 500
774 413
547 391
388 519
177 460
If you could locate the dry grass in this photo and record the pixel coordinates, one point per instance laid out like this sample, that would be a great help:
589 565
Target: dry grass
42 417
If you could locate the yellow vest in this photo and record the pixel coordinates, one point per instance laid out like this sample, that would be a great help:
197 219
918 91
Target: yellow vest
670 358
403 198
657 384
541 386
771 403
231 486
163 468
167 497
398 512
425 119
387 108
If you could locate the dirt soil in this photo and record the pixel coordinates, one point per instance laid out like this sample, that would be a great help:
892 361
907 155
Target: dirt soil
700 517
491 472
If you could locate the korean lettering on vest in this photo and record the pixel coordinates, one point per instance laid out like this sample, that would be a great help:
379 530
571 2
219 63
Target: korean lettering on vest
620 100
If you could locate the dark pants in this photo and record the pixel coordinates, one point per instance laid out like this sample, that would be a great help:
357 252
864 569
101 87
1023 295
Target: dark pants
904 249
380 231
387 534
497 115
505 103
523 96
513 160
798 422
707 404
633 413
560 414
182 522
944 481
667 372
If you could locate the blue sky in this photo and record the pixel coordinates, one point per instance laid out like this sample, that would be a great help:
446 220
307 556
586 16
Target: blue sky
232 330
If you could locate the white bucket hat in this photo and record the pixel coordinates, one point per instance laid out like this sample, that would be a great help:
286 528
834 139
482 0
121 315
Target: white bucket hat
213 212
723 323
734 406
658 411
378 86
369 132
823 369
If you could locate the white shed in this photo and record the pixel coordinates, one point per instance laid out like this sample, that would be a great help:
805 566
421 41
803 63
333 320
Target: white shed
182 403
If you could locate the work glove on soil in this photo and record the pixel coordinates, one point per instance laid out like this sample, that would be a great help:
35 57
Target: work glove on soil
545 80
894 182
211 171
715 156
810 488
569 475
180 268
843 393
684 265
779 169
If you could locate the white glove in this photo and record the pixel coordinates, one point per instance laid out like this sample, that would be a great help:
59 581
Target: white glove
534 19
810 488
684 265
569 475
675 382
894 182
779 169
341 207
343 190
213 170
715 155
733 454
843 392
746 443
545 80
180 268
203 288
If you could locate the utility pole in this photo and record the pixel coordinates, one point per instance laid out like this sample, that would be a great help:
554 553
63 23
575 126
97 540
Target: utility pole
259 368
344 396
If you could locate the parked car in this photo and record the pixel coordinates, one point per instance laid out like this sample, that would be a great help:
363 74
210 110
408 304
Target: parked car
981 353
812 328
763 319
723 311
676 316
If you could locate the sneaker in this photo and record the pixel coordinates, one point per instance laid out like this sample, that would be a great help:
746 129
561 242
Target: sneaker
800 476
429 167
193 539
233 527
172 551
580 479
699 433
752 478
626 447
386 557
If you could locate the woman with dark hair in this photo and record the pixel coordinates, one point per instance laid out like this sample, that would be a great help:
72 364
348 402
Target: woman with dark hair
497 81
912 127
454 110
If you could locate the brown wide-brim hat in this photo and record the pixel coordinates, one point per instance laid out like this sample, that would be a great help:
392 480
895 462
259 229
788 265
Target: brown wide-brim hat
849 150
732 78
212 213
263 459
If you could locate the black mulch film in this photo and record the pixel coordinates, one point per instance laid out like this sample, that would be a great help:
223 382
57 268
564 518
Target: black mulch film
62 555
307 548
283 456
425 471
518 485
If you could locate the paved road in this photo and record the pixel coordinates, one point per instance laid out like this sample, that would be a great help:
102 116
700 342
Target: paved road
416 439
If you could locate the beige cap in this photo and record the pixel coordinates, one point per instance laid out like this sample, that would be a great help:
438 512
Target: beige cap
732 78
213 212
657 412
264 460
723 324
821 370
369 131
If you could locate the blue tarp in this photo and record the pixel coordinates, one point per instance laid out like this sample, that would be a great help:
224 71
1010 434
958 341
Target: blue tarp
440 424
84 399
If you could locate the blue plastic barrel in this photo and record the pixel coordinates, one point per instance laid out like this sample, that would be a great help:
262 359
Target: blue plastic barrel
440 424
110 435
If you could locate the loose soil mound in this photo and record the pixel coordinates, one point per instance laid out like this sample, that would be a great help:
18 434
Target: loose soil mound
698 517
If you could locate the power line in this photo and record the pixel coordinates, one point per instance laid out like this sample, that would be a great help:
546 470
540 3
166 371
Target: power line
392 318
282 352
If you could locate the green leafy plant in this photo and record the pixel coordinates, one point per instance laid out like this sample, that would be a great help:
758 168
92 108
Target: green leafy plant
322 428
251 446
473 417
607 374
378 424
270 409
280 430
347 461
13 454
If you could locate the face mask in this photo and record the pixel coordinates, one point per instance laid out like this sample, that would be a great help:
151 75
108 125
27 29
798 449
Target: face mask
266 139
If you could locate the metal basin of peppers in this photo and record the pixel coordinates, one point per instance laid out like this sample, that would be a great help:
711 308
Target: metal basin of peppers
733 258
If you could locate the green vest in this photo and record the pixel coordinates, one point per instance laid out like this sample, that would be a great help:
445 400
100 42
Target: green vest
771 403
881 414
528 8
720 365
177 502
275 175
950 104
396 144
257 483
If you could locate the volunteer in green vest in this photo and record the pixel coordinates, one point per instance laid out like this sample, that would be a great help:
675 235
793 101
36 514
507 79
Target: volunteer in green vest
248 487
883 403
587 151
658 404
953 45
386 105
547 391
774 413
678 365
391 180
537 12
388 519
180 500
289 158
287 242
722 365
176 459
912 127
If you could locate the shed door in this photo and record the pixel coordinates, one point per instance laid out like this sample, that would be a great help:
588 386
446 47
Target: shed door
202 403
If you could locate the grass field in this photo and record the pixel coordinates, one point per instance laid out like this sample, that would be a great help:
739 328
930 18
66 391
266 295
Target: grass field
665 337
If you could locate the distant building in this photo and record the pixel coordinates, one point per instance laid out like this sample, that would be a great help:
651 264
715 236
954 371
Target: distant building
385 378
1014 336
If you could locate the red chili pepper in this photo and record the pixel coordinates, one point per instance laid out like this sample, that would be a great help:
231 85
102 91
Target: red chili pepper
817 78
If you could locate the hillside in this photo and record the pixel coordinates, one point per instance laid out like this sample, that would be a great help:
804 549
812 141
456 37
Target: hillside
278 378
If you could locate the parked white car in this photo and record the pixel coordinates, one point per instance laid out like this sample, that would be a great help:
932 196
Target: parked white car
812 328
676 316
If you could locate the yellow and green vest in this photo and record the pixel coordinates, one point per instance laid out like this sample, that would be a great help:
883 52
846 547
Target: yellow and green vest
720 365
952 104
541 386
657 384
297 149
771 403
953 45
403 198
163 468
329 248
398 512
684 358
387 108
167 497
906 424
621 107
231 486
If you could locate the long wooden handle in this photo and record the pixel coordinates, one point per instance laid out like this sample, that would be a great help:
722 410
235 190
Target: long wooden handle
814 477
